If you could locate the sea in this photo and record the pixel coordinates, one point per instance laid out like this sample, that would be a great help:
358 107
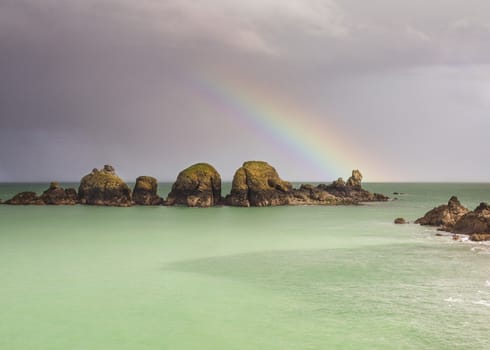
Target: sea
319 277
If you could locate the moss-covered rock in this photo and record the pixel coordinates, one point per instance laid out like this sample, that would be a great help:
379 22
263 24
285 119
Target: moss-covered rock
25 198
57 195
258 184
145 191
196 186
104 187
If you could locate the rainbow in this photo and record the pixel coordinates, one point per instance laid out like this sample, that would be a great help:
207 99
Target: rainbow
297 131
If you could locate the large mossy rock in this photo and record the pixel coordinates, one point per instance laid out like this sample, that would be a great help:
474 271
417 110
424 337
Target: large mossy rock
57 195
145 191
197 186
258 184
474 222
25 198
445 215
104 187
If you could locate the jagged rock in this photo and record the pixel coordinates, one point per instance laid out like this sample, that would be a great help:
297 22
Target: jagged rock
480 237
104 187
352 190
400 221
477 221
355 180
145 191
56 195
445 215
257 184
314 195
197 186
25 198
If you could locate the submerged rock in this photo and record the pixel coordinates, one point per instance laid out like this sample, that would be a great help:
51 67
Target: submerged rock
56 195
445 215
258 184
477 221
400 221
145 191
25 198
196 186
104 187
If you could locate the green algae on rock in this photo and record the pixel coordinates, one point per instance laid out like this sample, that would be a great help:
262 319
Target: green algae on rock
145 191
104 187
196 186
258 184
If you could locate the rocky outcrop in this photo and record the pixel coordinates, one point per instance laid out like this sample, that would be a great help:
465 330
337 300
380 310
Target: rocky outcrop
480 237
257 184
104 187
445 216
474 222
315 195
145 191
352 190
197 186
56 195
25 198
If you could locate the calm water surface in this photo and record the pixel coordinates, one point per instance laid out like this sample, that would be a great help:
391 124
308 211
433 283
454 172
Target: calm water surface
242 278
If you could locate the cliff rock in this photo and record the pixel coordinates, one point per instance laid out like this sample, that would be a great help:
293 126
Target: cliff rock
104 187
145 191
257 184
197 186
445 215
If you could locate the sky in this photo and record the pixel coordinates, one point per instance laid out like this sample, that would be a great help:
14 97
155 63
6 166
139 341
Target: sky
398 89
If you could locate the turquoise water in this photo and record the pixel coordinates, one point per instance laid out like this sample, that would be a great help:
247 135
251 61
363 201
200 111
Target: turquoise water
242 278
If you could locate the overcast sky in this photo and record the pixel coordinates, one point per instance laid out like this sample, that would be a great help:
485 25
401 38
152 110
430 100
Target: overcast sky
403 85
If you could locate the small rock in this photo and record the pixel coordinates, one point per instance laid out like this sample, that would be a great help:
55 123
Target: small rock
400 221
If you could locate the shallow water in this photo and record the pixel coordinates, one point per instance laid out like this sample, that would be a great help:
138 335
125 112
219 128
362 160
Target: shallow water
242 278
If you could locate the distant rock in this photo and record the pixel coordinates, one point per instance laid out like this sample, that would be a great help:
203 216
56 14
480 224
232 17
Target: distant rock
400 221
56 195
315 195
352 190
25 198
145 191
197 186
475 222
445 216
258 184
104 187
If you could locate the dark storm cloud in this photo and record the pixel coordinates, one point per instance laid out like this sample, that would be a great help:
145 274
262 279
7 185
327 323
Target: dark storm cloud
89 82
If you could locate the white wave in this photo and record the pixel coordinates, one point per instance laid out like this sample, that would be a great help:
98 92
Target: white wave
482 302
453 300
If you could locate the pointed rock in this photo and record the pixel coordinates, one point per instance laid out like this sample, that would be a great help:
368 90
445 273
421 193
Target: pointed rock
445 215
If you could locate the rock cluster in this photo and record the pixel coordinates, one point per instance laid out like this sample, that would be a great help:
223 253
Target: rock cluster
256 184
145 191
455 218
104 187
196 186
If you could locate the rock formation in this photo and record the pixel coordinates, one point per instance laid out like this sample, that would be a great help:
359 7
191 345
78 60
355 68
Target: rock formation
257 184
145 191
400 221
444 216
474 222
352 190
197 186
56 195
25 198
104 187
